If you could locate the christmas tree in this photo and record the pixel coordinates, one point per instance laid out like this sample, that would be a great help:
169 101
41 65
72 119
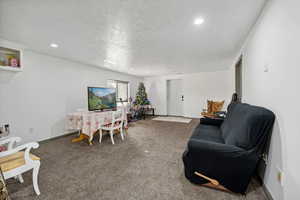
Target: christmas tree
141 96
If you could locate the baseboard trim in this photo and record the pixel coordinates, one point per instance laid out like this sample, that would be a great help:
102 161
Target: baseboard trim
267 192
56 137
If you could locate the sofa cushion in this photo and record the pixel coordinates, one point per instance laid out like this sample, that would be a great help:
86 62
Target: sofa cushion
208 133
245 125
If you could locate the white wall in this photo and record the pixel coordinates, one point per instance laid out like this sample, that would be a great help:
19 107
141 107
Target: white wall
197 89
274 45
36 101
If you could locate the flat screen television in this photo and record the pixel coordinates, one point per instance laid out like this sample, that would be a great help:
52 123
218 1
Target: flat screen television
100 99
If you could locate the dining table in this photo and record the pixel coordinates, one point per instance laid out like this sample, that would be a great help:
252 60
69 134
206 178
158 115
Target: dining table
87 123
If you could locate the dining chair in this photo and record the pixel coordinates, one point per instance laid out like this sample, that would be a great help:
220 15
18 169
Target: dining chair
116 124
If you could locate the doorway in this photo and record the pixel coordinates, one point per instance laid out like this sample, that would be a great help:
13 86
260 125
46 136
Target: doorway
175 97
239 78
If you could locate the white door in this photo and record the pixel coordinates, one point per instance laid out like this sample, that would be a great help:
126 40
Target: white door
175 97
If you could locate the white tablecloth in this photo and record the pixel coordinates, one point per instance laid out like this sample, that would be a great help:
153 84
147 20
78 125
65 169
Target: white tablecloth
89 122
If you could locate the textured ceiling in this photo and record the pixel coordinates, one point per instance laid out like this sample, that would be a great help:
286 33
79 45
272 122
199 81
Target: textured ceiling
140 37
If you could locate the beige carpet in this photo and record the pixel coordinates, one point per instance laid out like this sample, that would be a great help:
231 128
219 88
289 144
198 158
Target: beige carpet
146 166
173 119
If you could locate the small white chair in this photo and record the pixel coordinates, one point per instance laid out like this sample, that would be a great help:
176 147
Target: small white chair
15 161
116 124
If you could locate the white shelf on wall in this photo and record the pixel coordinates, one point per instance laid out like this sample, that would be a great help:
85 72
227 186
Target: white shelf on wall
12 69
7 54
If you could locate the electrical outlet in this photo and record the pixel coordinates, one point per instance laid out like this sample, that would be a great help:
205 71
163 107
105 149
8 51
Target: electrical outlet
31 130
266 68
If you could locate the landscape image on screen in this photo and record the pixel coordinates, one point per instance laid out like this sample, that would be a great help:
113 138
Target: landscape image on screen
101 98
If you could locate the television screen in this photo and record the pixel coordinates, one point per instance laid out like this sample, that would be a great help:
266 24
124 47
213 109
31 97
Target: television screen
101 98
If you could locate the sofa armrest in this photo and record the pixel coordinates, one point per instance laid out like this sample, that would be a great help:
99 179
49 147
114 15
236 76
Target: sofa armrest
211 121
232 166
27 147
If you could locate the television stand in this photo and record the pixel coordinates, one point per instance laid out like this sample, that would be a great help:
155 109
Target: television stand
103 110
97 111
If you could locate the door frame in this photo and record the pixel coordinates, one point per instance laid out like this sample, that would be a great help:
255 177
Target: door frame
168 96
239 77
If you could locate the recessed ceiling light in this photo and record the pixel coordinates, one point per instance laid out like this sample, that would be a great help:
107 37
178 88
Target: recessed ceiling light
199 21
53 45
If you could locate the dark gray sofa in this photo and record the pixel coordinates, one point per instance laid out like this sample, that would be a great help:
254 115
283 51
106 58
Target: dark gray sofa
229 152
